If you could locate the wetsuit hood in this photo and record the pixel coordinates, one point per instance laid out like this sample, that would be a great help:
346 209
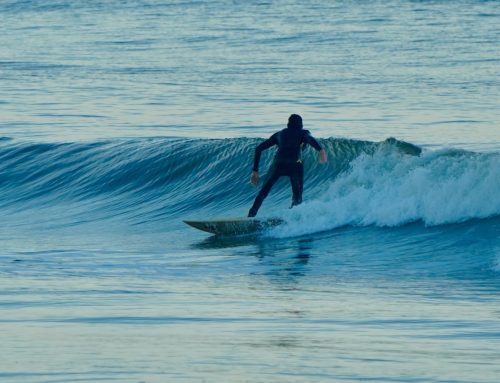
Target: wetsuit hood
295 122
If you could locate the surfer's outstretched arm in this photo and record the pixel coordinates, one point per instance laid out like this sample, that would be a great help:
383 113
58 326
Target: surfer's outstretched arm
273 140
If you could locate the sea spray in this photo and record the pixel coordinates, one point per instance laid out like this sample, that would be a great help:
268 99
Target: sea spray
391 188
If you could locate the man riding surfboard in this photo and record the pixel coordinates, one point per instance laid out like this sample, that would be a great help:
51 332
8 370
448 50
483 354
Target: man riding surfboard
287 161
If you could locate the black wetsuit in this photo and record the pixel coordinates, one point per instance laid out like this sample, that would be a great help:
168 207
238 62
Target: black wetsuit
287 162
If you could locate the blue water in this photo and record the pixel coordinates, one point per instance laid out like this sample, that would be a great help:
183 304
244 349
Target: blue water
119 119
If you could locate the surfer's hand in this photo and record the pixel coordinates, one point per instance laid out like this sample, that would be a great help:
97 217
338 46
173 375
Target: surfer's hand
322 156
254 179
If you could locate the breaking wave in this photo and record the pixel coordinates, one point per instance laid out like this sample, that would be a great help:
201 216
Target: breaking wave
388 183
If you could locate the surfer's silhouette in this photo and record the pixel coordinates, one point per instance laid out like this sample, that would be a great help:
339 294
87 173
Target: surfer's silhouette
287 161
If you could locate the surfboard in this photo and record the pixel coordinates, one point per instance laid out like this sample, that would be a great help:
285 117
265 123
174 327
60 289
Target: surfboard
235 226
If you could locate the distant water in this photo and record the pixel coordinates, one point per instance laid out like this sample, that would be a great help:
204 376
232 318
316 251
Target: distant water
424 71
119 119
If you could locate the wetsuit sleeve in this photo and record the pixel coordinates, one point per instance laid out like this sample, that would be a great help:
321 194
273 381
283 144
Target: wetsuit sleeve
308 139
271 141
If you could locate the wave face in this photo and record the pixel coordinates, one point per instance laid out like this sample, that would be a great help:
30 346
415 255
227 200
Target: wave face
389 183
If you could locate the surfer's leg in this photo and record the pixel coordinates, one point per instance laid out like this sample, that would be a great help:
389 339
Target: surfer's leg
297 181
271 180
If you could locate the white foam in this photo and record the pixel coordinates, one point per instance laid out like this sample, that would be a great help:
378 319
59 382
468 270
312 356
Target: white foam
391 189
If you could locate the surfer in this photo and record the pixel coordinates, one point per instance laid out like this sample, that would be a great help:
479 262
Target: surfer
287 161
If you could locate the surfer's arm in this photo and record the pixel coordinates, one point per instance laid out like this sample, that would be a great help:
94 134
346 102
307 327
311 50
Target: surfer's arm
309 139
273 140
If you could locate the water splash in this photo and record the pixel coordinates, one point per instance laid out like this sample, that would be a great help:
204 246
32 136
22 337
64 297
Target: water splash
390 188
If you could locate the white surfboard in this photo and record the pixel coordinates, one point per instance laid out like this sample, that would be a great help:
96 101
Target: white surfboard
235 226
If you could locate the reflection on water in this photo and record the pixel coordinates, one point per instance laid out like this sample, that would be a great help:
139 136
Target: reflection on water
221 242
282 260
463 253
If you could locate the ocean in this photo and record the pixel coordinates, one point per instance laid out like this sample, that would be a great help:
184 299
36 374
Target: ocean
119 119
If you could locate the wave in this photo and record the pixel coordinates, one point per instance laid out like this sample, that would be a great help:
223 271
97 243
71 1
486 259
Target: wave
365 183
388 188
164 176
